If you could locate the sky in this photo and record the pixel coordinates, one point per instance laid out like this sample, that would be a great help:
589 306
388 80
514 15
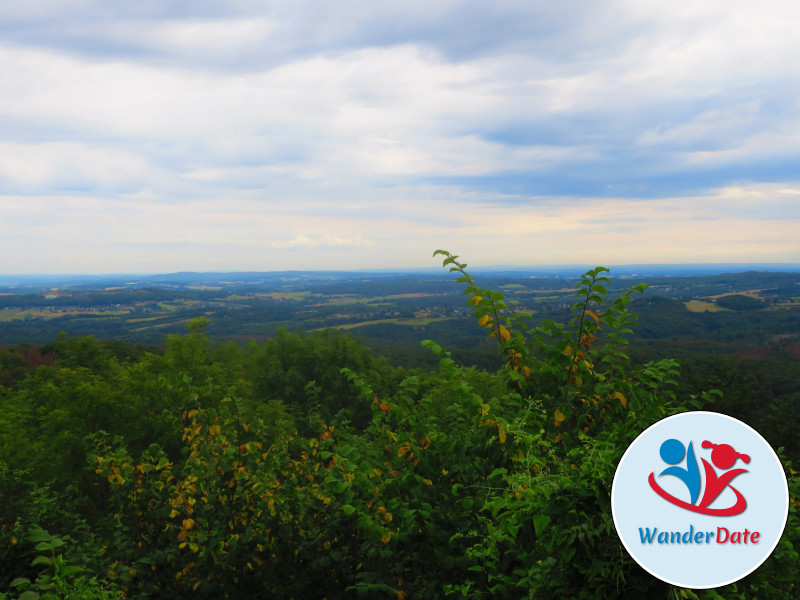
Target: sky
171 135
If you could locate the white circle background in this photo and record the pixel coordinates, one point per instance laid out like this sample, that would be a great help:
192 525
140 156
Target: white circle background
635 505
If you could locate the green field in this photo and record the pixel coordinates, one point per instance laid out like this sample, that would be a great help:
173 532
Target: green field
699 306
419 322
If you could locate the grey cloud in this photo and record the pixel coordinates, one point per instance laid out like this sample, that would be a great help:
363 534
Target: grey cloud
458 31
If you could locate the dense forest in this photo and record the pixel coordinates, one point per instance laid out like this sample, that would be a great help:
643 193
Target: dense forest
308 466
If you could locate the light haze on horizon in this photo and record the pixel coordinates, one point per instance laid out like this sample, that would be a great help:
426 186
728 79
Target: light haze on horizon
164 136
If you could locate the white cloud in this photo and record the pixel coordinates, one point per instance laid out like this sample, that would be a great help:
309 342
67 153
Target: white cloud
326 241
60 165
305 132
198 37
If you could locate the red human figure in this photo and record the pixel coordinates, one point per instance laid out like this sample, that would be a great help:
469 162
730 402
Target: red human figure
724 457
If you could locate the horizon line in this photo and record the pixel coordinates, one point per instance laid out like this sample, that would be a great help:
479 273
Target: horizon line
400 270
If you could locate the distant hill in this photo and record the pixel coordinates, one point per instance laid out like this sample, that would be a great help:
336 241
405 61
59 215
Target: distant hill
271 279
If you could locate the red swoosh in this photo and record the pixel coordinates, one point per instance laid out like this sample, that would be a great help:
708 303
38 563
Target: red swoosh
737 508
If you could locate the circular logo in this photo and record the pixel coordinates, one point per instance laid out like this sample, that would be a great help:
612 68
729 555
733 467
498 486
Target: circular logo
699 500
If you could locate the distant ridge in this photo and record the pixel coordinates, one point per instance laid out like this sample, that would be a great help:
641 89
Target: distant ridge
660 270
183 278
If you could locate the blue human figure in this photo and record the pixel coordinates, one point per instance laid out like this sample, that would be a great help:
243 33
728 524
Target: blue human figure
672 452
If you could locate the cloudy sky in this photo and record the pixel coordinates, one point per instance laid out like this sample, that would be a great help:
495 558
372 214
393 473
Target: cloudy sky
166 135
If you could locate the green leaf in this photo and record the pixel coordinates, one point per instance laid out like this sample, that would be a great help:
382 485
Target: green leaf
540 522
71 570
38 535
499 472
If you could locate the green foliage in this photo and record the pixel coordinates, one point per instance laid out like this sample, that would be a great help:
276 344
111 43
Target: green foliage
347 511
304 467
282 368
80 352
547 532
60 578
578 368
13 367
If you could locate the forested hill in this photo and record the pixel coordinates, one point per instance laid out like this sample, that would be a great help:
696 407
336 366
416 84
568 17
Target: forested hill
303 464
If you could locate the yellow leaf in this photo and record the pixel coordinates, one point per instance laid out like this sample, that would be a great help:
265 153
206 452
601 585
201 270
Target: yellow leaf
501 433
621 397
560 417
526 371
485 320
484 409
188 523
505 335
593 314
568 350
